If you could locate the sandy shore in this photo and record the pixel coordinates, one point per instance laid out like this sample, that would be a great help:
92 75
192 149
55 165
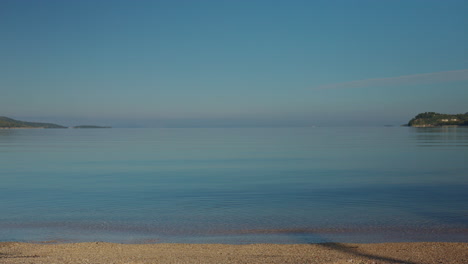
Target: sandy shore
99 252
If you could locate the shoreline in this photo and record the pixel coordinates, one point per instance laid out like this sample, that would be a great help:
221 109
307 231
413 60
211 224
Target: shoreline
103 252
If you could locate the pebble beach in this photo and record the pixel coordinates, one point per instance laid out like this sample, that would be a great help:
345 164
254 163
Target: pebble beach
336 253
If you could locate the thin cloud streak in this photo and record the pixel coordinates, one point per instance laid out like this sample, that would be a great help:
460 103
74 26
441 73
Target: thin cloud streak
425 78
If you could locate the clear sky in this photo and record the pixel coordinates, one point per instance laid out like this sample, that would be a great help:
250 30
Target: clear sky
232 63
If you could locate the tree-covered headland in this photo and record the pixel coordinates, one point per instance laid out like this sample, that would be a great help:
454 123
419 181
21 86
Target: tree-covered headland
6 122
432 119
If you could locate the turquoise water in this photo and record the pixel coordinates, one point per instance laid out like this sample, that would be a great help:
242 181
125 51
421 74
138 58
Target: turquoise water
247 185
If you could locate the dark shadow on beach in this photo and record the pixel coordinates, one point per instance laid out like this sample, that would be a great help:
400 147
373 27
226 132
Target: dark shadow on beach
354 250
350 249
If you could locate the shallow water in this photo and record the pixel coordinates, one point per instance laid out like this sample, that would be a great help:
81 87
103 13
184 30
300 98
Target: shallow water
246 185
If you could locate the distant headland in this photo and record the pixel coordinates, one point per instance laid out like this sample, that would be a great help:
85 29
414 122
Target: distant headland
6 123
432 119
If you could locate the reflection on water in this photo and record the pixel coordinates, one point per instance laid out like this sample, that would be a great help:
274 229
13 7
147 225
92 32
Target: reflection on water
284 185
441 136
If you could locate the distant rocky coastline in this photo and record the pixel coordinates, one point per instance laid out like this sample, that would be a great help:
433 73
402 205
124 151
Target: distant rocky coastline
6 123
432 119
10 123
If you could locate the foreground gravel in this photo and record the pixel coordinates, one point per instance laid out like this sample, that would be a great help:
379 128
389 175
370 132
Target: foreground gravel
99 252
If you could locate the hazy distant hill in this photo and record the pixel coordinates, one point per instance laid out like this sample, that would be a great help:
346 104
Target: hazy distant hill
432 119
6 122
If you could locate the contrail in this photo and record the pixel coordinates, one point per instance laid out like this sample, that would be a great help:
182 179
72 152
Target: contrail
425 78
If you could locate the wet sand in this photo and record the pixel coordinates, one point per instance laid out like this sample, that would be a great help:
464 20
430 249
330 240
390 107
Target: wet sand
100 252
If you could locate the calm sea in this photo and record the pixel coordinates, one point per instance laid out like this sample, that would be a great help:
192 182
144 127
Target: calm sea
246 185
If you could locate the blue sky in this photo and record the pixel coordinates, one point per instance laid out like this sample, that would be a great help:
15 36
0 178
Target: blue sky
232 63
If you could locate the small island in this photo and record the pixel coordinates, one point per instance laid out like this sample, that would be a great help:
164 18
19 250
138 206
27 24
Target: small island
90 126
432 119
6 123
